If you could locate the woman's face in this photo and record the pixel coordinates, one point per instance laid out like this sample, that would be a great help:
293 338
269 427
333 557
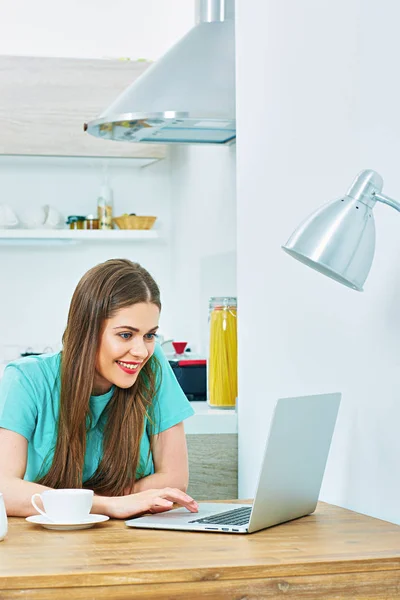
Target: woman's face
126 344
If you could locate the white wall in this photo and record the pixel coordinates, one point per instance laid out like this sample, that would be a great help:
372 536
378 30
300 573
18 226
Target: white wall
318 97
203 219
93 28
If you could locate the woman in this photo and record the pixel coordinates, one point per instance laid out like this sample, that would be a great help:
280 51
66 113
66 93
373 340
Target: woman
106 413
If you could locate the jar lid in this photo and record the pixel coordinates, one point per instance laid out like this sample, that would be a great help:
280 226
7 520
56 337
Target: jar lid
222 301
74 219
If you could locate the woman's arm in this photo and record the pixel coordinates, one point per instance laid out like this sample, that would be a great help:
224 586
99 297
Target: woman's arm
17 492
170 461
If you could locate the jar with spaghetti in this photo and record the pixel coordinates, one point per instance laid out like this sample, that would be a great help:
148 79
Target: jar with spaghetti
222 360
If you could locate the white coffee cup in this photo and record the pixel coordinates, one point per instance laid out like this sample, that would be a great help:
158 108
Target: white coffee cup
65 506
3 519
53 219
8 218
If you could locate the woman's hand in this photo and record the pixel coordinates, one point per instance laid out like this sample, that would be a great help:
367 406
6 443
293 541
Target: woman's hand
153 501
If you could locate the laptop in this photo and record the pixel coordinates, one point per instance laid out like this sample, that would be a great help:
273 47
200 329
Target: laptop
289 481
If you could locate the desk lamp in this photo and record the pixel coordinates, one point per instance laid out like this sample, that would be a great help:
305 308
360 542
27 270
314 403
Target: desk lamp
338 239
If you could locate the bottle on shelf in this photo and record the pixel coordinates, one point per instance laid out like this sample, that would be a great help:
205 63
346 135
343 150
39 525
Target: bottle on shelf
105 207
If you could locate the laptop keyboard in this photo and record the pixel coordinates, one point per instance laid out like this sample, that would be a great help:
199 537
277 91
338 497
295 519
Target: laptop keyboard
237 516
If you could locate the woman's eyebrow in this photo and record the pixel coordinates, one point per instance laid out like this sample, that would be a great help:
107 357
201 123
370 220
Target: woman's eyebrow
134 328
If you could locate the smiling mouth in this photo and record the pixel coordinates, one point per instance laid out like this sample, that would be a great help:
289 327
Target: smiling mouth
128 367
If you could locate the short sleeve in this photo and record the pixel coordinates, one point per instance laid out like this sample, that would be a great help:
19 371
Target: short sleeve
170 404
18 410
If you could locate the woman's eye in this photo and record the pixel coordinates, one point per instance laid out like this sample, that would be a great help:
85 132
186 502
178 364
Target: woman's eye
125 336
150 336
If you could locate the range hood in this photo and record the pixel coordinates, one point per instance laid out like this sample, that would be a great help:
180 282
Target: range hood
188 95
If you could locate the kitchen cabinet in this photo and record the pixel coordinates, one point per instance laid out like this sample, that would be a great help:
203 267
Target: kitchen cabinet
212 442
213 466
46 101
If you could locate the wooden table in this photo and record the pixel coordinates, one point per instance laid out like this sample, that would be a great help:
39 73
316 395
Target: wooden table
334 553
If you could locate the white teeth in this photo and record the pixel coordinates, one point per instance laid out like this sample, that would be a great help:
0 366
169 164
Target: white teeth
130 367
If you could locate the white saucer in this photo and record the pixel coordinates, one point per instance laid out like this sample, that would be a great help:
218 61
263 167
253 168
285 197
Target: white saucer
84 524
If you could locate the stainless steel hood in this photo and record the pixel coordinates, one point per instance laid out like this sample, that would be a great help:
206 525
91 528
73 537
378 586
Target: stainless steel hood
188 95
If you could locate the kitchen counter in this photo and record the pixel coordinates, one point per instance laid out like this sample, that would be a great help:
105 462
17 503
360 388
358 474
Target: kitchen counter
208 420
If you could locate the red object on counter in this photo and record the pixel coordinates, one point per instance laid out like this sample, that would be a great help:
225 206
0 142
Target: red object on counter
188 363
179 347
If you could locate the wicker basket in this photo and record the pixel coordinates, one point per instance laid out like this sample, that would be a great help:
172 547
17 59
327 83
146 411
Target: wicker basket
134 222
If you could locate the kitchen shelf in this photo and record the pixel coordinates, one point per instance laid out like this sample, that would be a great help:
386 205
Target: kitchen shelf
71 236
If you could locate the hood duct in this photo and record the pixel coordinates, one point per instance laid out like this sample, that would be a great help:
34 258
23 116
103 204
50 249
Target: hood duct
188 95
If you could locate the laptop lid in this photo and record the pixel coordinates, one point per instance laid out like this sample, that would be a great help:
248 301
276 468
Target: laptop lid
295 457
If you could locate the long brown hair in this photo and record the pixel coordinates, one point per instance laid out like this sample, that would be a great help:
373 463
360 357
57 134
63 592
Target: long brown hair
101 292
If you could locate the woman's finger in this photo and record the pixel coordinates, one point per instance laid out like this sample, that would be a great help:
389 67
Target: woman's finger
180 498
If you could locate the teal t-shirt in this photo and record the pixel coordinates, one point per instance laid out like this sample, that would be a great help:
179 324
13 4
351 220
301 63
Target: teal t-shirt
30 401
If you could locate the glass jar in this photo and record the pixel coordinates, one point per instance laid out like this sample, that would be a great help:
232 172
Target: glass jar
91 222
222 360
75 221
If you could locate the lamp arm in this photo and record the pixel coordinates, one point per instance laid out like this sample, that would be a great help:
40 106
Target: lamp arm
386 200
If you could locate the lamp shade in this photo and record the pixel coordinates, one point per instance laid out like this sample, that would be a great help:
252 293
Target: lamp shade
337 240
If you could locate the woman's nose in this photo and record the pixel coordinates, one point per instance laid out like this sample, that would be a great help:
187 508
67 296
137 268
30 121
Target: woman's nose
138 349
